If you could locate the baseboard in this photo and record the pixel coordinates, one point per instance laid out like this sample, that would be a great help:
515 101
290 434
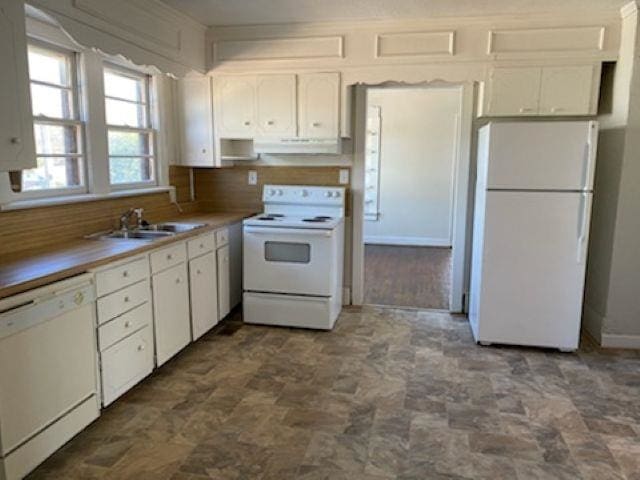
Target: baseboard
612 340
407 241
592 322
346 296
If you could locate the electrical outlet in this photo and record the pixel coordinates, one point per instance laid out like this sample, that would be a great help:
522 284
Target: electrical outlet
252 177
344 176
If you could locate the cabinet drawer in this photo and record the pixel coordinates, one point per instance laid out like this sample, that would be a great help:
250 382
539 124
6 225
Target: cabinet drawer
201 245
123 300
168 257
222 237
122 326
126 363
115 278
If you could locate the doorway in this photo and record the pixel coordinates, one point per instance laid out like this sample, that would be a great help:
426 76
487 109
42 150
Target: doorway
413 166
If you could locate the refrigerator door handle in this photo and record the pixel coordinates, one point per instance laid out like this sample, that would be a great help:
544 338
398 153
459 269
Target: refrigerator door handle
585 208
590 157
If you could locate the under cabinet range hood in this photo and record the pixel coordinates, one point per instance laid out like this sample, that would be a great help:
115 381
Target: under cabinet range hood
298 146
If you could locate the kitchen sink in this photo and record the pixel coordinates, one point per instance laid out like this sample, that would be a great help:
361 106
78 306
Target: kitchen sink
147 233
172 227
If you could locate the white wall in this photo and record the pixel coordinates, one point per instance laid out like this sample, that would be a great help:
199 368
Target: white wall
418 148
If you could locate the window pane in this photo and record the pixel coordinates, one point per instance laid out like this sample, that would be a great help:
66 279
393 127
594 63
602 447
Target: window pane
130 169
128 143
123 86
126 114
51 101
53 173
49 66
56 139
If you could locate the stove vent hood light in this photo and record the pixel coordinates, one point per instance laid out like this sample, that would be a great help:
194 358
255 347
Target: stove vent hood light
15 178
298 146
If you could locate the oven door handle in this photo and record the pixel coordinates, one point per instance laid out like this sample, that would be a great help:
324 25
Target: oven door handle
309 232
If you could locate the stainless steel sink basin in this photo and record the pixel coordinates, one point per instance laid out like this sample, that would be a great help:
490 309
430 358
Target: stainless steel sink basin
148 233
173 227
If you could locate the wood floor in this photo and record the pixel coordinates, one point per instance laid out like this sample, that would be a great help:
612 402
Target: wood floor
407 276
389 394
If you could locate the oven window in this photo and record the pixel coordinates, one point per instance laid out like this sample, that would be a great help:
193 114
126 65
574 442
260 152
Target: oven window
287 252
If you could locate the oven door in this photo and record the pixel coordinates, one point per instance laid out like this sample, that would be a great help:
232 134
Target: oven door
289 260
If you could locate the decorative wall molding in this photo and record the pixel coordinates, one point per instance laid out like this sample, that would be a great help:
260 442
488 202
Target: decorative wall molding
612 340
554 39
283 48
425 43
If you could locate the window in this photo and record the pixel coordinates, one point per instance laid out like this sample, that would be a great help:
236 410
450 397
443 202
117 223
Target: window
131 149
57 128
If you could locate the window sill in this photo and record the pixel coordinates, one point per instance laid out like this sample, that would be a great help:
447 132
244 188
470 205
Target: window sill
81 198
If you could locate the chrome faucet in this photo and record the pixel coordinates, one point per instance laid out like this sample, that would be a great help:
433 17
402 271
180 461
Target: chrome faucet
125 218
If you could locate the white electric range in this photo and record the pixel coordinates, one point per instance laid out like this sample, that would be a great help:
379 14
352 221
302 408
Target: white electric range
293 257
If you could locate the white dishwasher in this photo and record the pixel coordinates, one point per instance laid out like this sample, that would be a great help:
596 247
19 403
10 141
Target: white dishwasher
48 371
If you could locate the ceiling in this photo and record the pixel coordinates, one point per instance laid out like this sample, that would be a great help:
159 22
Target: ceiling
245 12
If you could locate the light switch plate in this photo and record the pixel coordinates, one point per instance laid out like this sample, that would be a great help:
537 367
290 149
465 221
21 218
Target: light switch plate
344 176
252 177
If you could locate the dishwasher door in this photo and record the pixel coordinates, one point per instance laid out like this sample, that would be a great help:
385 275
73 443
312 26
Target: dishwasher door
47 359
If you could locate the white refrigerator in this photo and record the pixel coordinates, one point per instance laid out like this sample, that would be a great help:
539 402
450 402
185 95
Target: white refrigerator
530 232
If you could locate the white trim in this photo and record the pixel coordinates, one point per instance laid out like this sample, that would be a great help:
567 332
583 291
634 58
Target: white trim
79 198
612 340
407 241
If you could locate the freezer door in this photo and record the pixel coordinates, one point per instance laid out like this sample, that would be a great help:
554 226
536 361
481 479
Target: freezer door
541 155
532 268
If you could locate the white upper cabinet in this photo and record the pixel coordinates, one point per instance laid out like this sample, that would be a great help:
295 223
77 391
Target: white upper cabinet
236 106
542 91
319 105
514 91
276 105
17 143
568 90
196 122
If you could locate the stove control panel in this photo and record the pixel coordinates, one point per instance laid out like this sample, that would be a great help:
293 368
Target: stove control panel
303 195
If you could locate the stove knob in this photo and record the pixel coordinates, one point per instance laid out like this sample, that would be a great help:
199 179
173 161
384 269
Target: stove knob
336 194
328 194
304 193
280 192
272 192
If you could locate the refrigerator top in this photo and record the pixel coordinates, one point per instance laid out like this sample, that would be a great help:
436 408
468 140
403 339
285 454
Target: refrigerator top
537 156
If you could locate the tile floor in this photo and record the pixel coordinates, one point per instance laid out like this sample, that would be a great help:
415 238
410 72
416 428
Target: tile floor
390 394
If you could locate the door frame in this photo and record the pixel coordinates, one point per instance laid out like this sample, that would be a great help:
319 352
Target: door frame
461 207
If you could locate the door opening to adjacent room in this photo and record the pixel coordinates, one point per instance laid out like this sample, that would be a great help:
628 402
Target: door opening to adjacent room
412 144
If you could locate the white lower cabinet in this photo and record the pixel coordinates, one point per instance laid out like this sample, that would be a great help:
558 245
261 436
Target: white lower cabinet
224 300
171 311
203 286
126 363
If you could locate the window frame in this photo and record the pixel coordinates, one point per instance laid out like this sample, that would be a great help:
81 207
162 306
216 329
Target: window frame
148 130
77 121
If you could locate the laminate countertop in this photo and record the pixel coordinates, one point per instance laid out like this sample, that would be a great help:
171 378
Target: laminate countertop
25 271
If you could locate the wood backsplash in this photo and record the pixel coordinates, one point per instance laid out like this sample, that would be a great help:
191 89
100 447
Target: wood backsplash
35 228
227 189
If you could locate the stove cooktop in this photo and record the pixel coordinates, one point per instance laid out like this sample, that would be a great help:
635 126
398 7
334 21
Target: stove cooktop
293 221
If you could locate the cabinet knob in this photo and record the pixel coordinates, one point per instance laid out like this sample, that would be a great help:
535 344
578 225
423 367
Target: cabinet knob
202 245
125 274
140 348
315 124
247 123
16 140
270 122
204 150
178 280
198 272
169 256
127 324
126 299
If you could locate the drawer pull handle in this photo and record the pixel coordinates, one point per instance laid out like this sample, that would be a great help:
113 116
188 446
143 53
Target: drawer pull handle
315 124
127 324
126 299
125 274
140 348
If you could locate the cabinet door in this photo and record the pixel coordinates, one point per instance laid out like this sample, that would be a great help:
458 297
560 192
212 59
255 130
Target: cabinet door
319 105
514 91
196 122
224 300
17 144
171 311
236 102
203 284
567 90
276 105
